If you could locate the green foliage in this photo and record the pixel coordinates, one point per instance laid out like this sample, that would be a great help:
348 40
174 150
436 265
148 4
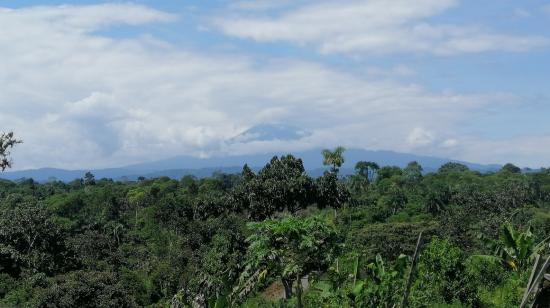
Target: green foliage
291 248
7 142
281 185
330 191
388 239
334 158
298 245
249 238
441 276
496 286
413 173
517 249
31 240
86 289
510 168
382 286
367 169
388 172
89 179
451 167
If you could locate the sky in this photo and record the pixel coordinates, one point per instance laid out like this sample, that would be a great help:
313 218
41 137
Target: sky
93 84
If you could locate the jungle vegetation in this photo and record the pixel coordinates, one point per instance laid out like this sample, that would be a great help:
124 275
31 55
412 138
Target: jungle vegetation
276 238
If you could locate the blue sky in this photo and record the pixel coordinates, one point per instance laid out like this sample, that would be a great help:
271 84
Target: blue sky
92 84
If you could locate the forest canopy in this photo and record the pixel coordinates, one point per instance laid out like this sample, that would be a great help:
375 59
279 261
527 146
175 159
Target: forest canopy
278 238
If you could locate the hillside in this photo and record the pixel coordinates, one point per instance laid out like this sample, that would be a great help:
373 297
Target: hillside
246 239
177 167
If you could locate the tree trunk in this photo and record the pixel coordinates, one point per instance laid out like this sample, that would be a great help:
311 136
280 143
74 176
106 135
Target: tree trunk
135 225
287 283
299 290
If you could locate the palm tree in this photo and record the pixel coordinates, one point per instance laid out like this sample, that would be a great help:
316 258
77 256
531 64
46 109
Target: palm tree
334 158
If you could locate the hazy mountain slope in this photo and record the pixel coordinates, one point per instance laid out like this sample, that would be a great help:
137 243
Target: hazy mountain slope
178 166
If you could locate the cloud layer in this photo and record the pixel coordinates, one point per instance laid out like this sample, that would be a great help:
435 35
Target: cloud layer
376 26
80 98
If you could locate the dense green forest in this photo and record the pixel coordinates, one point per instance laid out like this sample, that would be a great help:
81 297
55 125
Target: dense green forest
278 238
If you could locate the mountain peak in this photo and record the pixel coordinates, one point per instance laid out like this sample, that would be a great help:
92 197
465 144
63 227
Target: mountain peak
270 132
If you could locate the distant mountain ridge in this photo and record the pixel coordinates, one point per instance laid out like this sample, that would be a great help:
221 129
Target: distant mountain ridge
179 166
270 132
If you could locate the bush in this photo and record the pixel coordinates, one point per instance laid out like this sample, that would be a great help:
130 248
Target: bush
441 276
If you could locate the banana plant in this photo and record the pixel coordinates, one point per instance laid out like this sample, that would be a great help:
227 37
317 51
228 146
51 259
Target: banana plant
514 248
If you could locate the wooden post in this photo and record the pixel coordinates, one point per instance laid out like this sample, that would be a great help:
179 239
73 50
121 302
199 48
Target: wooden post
536 282
411 272
530 282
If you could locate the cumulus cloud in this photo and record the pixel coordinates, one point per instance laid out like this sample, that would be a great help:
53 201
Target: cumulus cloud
82 99
420 137
449 143
375 26
531 151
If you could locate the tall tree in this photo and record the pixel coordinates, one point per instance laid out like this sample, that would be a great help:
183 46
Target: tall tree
7 142
281 185
367 169
413 172
89 178
510 168
334 158
453 167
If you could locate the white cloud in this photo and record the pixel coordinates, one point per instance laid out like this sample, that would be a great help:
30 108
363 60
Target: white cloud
260 5
375 26
396 71
449 143
87 18
420 137
525 151
522 13
81 99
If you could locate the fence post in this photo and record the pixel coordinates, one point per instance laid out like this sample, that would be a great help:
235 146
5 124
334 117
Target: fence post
411 272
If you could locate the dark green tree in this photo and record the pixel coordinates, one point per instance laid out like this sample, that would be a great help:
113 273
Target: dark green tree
89 179
367 169
87 289
31 240
388 172
413 172
7 142
451 167
282 185
511 168
330 191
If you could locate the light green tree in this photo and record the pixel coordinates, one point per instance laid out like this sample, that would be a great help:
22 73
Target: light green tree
334 158
289 249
